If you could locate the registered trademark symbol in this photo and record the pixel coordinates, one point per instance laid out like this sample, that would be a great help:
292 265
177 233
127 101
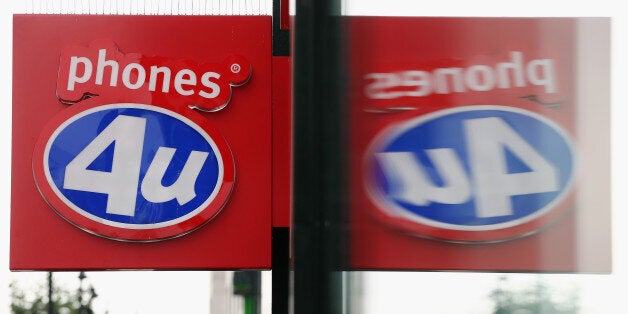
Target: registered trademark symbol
235 68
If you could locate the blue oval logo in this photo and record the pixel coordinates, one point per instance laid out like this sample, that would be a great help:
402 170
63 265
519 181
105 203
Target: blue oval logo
472 170
119 169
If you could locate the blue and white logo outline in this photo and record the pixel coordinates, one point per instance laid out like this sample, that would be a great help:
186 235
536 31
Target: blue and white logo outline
97 219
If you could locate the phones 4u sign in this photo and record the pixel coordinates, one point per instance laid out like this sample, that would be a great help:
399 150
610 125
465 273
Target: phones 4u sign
133 129
476 145
480 144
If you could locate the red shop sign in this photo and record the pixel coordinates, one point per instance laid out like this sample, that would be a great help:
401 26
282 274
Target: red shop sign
467 139
132 142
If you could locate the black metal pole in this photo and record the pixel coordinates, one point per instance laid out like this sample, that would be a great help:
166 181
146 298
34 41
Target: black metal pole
51 305
81 309
281 37
280 235
281 270
320 191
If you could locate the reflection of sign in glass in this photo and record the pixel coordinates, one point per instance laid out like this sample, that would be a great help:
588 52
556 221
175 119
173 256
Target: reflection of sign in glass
477 173
134 172
511 74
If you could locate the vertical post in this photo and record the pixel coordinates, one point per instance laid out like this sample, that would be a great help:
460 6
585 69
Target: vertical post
281 270
281 31
281 112
251 305
319 158
51 305
81 309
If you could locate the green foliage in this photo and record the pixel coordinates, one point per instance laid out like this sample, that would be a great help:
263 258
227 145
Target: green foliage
36 302
537 299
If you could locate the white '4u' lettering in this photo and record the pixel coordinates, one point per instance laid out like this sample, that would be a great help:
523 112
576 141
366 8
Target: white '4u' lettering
121 183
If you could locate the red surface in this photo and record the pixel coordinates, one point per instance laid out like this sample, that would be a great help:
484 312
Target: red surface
282 141
240 236
392 45
285 14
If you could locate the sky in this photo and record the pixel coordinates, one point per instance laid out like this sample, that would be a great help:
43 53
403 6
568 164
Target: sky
154 292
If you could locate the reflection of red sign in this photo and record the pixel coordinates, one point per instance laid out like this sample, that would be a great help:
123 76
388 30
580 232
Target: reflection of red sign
202 55
514 72
461 136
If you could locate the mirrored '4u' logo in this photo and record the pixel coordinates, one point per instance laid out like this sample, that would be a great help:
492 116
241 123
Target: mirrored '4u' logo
475 168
